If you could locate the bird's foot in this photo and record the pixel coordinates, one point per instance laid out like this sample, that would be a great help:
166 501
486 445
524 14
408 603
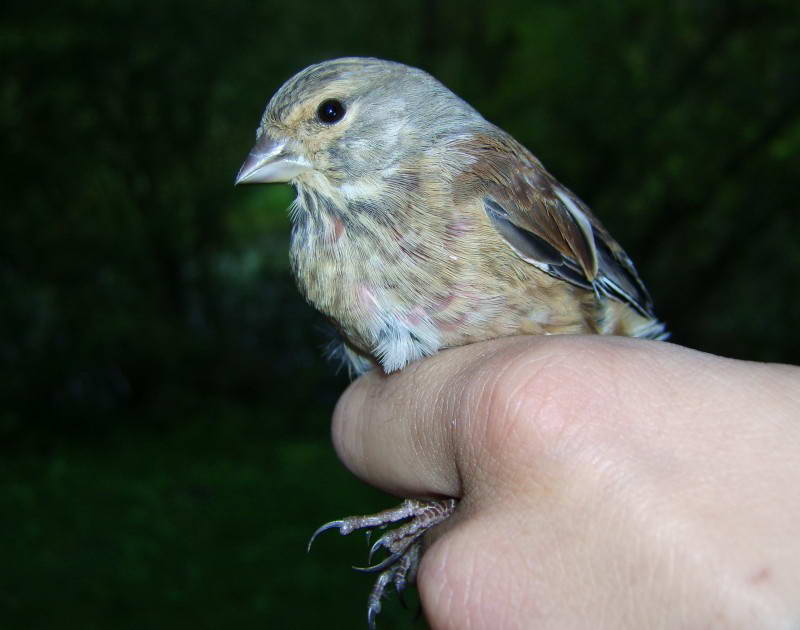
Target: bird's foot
403 545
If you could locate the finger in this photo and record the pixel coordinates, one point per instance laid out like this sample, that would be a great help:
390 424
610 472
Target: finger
424 430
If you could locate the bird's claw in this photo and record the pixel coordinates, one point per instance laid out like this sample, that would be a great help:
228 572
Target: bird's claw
402 544
401 573
383 564
324 528
384 541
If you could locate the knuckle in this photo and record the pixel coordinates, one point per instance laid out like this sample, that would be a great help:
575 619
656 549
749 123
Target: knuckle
539 401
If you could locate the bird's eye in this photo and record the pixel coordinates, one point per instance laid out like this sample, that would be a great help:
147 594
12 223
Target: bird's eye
330 111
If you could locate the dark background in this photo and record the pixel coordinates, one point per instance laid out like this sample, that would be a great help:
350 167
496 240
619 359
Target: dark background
165 406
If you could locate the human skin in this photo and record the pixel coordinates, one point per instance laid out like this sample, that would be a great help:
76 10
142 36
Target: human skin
605 482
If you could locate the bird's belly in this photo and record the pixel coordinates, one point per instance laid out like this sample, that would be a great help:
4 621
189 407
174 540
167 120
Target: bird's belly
530 308
395 309
395 325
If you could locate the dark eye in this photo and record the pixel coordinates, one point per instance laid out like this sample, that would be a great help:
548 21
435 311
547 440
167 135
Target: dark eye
330 111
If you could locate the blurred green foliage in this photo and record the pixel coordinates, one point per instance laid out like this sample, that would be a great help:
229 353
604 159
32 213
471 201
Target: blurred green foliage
152 341
180 529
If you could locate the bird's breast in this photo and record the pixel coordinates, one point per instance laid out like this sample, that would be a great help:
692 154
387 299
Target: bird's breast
401 285
380 283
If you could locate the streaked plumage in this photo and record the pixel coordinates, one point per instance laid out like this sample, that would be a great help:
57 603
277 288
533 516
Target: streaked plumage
419 225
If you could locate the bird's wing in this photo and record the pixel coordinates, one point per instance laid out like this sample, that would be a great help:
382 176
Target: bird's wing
547 225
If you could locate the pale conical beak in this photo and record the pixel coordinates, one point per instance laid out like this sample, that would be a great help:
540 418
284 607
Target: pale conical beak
269 161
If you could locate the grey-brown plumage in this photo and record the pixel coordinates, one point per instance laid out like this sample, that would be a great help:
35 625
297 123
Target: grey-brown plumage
419 225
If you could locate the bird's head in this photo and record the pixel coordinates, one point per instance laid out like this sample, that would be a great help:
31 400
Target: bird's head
345 119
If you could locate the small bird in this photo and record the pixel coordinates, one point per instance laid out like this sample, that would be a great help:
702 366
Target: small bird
419 225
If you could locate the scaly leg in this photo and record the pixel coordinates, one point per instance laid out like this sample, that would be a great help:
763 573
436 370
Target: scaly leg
402 544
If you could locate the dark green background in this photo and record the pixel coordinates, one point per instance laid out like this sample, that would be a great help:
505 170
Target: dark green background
165 407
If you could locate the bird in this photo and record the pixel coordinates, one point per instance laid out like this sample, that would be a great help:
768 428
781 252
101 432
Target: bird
417 226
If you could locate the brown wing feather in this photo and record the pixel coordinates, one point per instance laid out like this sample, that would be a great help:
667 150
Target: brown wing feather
541 219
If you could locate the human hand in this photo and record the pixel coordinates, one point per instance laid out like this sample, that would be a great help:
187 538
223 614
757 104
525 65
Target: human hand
605 482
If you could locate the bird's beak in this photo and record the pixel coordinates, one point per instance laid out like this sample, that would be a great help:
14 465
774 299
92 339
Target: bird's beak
270 161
